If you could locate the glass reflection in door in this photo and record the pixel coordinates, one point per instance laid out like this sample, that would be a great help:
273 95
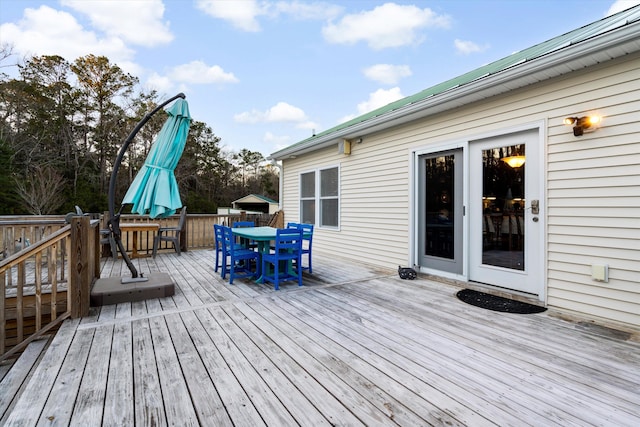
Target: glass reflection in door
440 209
503 201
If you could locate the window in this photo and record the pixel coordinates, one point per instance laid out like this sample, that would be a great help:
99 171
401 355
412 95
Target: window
320 188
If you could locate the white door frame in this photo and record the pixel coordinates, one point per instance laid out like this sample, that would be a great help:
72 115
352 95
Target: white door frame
541 127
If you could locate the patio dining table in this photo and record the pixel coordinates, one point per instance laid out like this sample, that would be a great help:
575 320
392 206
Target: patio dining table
135 228
262 236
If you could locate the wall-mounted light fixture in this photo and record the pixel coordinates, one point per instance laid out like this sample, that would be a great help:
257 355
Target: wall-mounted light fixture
582 123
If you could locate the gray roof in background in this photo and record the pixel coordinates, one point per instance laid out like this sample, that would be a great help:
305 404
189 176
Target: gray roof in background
600 41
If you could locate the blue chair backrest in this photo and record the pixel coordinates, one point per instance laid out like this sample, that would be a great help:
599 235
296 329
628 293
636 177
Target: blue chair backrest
306 229
288 240
227 237
239 224
219 235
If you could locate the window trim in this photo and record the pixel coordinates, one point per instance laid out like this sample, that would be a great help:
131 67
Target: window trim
317 196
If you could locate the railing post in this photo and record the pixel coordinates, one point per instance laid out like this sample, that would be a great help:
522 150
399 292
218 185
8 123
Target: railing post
97 254
3 313
184 236
81 271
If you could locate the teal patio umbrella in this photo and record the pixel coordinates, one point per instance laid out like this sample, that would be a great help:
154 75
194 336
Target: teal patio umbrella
154 190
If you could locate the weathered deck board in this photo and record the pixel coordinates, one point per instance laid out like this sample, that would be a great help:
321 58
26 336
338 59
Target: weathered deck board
17 374
354 346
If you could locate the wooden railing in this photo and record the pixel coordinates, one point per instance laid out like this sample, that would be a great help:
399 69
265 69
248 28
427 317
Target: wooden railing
46 282
48 266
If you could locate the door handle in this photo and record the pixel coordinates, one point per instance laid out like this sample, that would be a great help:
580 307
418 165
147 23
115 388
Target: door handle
535 207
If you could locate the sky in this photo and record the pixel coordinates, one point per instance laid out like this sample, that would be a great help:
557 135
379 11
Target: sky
267 74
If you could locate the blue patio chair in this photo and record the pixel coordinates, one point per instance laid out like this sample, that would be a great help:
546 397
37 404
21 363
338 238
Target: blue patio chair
240 258
244 241
288 244
221 257
307 242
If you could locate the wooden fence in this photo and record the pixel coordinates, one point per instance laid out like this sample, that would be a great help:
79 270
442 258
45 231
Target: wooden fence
198 233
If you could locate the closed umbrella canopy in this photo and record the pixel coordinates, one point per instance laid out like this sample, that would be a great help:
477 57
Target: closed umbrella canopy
154 190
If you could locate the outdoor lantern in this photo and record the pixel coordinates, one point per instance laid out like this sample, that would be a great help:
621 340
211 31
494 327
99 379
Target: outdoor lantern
582 123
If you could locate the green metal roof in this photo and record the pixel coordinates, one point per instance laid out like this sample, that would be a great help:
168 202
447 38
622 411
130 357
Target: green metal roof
554 45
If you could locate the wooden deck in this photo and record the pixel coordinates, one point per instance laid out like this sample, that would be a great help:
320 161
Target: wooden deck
354 346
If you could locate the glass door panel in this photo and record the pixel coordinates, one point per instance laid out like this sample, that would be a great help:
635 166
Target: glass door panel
503 201
439 206
441 213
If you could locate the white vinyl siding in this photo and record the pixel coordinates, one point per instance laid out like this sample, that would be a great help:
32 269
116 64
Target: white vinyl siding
592 184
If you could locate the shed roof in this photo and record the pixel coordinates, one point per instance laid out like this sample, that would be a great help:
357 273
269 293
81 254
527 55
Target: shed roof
251 198
602 40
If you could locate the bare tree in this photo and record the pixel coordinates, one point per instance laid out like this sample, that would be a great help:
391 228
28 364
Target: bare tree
41 191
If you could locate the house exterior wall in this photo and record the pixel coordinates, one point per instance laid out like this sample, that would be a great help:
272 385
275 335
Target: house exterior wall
592 184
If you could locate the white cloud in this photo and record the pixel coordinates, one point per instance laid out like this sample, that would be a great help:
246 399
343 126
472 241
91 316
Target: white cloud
466 47
387 73
389 25
620 5
46 31
200 73
241 14
307 11
137 22
244 14
281 112
377 99
162 84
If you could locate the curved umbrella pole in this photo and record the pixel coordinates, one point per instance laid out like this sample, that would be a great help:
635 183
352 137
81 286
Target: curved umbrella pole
114 219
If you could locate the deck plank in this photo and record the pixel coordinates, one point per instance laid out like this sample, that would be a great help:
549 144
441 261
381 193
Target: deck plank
175 394
35 395
91 395
149 408
254 349
59 408
18 375
354 346
208 406
266 402
226 386
119 396
288 357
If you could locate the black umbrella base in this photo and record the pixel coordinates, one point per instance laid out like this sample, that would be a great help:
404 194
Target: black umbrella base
115 290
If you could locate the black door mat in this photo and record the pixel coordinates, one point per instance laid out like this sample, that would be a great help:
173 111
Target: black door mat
496 303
